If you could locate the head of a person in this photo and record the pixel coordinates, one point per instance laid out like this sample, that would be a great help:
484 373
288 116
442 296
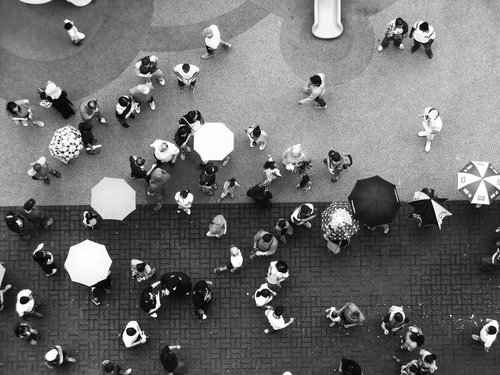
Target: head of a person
10 217
210 170
419 339
334 156
38 255
282 223
12 108
140 161
413 368
399 21
305 210
355 314
193 115
20 329
491 330
172 283
183 131
267 237
207 32
30 203
141 267
315 80
145 60
24 300
123 101
184 193
37 167
281 266
398 317
433 114
92 104
429 358
130 331
279 310
256 131
424 26
232 182
266 293
68 26
51 355
185 68
296 150
163 146
109 367
234 251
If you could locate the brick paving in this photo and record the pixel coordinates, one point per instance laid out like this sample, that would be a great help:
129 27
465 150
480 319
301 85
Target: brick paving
434 274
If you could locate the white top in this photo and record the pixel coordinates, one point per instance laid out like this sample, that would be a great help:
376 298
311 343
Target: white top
74 33
274 276
237 260
21 309
168 154
423 37
184 202
214 41
193 69
432 124
276 323
260 300
485 336
135 339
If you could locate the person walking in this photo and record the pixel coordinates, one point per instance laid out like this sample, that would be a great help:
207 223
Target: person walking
142 94
137 169
228 189
212 41
217 227
336 163
75 35
184 200
264 244
202 297
165 152
281 229
276 320
26 307
413 339
207 179
158 185
271 171
124 109
348 315
235 262
100 289
170 361
422 34
150 300
488 334
20 112
181 139
25 332
396 31
263 295
35 215
147 68
141 271
89 110
427 362
56 356
432 123
302 215
109 367
316 91
176 284
261 195
256 136
90 219
133 335
277 272
54 96
186 76
40 170
88 138
17 223
45 260
394 320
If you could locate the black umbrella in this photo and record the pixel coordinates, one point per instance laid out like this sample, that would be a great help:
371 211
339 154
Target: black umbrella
374 201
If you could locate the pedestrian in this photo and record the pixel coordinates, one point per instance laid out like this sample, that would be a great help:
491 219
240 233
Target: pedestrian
75 35
293 156
54 96
488 334
202 297
89 110
263 295
261 195
45 260
235 261
305 182
348 315
181 138
18 224
432 123
142 94
90 219
137 169
170 362
109 367
217 227
193 119
212 41
35 215
271 171
184 200
427 362
411 368
229 187
277 272
336 163
302 215
394 320
158 186
124 109
316 91
165 152
275 318
141 271
207 179
40 170
147 68
2 292
349 367
150 300
100 289
422 34
396 31
26 307
413 339
492 262
20 112
176 284
56 356
281 229
264 244
186 76
24 331
133 335
88 138
256 136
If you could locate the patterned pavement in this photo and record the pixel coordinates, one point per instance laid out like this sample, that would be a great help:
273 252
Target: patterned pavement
434 274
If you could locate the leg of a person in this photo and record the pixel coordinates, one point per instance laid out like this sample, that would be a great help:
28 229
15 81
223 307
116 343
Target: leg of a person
180 83
192 83
210 51
416 45
428 50
386 40
397 42
181 368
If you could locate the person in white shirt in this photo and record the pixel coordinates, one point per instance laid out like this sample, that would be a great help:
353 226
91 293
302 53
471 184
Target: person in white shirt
235 262
432 123
133 335
184 200
488 334
276 320
422 34
212 41
276 274
186 76
26 306
141 271
165 152
263 295
74 34
147 68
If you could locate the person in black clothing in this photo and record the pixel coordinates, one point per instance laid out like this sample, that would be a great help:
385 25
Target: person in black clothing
102 287
202 297
109 367
207 179
176 284
170 362
137 169
150 300
35 215
58 98
261 195
17 223
45 260
88 138
124 109
181 139
24 331
350 367
193 119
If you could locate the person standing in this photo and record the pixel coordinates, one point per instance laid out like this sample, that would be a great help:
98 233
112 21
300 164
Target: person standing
316 91
193 119
263 295
202 297
26 307
212 41
422 34
45 260
186 76
56 356
74 34
394 320
264 244
217 227
25 332
271 171
276 320
147 68
432 123
88 138
396 31
109 367
488 334
17 223
256 136
302 215
36 215
181 138
427 362
133 335
89 110
336 163
207 179
20 112
158 185
293 157
170 362
100 289
348 315
142 94
229 187
184 200
235 262
261 195
54 96
165 152
141 271
277 273
124 109
90 219
281 229
137 169
413 339
40 170
176 284
150 300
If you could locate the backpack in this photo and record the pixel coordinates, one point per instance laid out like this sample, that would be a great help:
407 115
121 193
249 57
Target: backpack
347 161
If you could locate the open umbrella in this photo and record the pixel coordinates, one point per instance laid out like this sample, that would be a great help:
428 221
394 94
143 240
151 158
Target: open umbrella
479 181
374 201
213 141
429 210
87 263
113 198
66 144
337 221
2 273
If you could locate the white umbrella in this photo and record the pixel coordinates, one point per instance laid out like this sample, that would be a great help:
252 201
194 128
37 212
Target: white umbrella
2 273
479 181
213 141
113 198
87 263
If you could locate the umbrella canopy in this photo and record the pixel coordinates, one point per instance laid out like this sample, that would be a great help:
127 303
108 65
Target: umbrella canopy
87 263
213 141
2 273
113 198
374 201
337 221
66 144
429 210
479 181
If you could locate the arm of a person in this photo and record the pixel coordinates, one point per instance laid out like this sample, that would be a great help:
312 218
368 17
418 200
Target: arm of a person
310 98
256 238
172 347
412 30
289 322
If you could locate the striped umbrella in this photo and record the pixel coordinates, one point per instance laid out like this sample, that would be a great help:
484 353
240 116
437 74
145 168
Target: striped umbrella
479 181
